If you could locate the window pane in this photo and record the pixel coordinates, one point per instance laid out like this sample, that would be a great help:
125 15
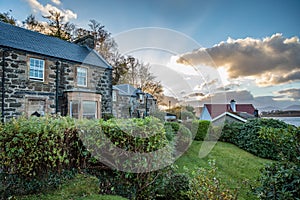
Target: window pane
81 76
36 69
74 109
89 109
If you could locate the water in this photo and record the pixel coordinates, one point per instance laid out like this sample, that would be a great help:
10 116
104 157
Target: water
289 120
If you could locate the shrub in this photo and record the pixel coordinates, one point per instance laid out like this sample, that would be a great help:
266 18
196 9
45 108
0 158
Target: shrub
230 132
200 128
175 126
247 136
280 180
134 137
177 187
205 184
184 138
35 150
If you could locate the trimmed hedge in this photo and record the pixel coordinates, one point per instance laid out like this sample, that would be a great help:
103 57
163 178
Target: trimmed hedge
200 129
34 152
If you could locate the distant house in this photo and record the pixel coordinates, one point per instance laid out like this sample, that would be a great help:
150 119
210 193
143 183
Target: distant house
131 102
229 112
46 75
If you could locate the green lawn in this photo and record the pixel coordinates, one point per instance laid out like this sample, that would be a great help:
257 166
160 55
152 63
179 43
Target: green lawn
82 187
234 165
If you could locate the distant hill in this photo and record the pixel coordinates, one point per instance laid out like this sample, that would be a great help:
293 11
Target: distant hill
269 108
292 107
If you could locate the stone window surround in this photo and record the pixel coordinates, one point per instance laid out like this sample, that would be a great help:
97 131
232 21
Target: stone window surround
45 79
87 76
81 96
39 68
46 66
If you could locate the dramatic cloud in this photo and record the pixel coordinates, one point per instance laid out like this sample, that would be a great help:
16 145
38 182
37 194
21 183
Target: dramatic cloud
38 7
272 60
291 93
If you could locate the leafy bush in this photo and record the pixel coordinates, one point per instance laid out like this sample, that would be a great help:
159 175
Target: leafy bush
177 187
133 137
205 184
184 138
35 150
247 136
200 128
281 180
230 132
175 126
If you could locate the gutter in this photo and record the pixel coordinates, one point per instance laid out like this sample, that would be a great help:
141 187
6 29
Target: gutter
3 85
56 87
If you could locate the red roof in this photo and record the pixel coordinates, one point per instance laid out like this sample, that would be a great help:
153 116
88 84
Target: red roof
217 109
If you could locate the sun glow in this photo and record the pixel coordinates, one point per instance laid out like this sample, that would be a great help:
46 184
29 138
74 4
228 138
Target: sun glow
223 75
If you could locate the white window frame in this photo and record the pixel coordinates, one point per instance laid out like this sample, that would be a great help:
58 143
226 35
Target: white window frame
38 65
114 96
94 113
79 76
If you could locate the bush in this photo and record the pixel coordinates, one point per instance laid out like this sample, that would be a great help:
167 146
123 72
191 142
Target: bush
184 139
230 132
35 150
247 136
175 126
177 187
200 128
205 184
140 176
280 180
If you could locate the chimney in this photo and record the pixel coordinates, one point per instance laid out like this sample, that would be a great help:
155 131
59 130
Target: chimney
87 40
232 105
256 113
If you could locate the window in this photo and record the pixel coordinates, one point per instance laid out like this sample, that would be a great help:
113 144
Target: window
89 109
84 105
74 109
81 76
37 68
114 96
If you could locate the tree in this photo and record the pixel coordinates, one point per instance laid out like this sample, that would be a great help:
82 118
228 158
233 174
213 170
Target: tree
57 26
8 18
33 24
139 75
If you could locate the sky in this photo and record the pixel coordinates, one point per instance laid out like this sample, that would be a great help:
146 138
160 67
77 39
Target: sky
201 51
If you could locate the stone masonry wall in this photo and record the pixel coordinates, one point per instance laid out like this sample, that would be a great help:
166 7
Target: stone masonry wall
19 89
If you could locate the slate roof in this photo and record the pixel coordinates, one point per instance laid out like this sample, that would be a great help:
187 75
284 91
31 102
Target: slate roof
22 39
217 109
125 89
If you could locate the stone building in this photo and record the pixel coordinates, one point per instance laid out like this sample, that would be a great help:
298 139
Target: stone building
46 75
130 102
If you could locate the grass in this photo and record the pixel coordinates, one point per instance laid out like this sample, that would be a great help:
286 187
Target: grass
83 187
235 165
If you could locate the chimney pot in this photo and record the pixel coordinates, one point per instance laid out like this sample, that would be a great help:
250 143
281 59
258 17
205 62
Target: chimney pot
233 105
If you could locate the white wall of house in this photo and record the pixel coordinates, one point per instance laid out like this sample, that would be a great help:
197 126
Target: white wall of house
205 114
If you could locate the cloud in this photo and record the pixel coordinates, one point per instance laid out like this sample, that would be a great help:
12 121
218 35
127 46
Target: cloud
57 2
263 59
291 93
38 7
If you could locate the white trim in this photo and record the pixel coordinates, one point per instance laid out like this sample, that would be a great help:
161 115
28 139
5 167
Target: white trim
230 114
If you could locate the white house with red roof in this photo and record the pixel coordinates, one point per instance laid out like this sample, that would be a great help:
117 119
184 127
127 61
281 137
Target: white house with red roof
231 112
